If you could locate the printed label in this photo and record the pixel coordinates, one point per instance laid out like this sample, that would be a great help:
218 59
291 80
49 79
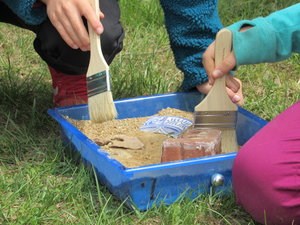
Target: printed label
170 125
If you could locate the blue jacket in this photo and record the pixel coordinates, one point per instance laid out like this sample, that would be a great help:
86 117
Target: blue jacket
271 39
191 25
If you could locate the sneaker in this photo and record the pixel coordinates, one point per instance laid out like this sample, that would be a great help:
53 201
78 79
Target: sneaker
68 89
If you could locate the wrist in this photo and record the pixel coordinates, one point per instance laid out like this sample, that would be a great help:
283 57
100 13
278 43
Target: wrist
37 4
246 27
43 1
204 87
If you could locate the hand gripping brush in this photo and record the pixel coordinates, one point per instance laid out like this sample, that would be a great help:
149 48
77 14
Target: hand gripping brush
217 110
100 100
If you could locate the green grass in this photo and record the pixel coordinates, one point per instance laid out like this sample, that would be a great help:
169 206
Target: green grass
41 183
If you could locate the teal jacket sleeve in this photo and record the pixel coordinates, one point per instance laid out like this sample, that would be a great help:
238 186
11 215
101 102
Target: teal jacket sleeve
28 10
192 26
270 39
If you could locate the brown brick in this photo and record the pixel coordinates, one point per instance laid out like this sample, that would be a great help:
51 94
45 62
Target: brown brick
171 150
193 143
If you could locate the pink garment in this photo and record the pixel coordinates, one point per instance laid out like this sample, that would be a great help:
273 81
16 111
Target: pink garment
266 171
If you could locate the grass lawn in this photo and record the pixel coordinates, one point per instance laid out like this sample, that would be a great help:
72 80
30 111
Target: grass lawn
41 183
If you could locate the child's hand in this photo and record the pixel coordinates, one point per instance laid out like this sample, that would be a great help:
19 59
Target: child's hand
66 17
234 89
234 85
225 67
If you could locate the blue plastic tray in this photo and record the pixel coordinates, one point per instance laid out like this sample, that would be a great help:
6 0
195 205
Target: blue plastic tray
146 186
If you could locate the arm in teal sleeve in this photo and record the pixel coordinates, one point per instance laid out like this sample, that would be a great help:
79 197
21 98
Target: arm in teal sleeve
26 10
270 39
192 26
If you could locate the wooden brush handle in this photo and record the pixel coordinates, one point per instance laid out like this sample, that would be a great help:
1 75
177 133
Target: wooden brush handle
96 55
222 49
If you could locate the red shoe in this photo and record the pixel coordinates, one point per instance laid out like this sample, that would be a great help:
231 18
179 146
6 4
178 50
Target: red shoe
68 89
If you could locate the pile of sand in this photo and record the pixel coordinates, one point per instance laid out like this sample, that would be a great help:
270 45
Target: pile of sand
104 134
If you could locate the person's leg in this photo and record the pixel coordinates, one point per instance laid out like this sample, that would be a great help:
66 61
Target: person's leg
266 171
57 54
68 95
68 66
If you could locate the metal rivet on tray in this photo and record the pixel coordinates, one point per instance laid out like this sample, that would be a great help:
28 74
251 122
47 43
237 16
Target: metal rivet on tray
217 180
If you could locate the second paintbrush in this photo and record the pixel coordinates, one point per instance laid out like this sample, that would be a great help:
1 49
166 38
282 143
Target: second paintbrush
100 100
217 110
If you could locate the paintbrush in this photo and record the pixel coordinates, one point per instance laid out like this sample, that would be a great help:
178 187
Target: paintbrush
100 100
217 110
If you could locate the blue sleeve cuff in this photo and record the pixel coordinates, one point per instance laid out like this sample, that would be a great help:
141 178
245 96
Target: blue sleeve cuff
271 39
254 45
192 26
25 10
